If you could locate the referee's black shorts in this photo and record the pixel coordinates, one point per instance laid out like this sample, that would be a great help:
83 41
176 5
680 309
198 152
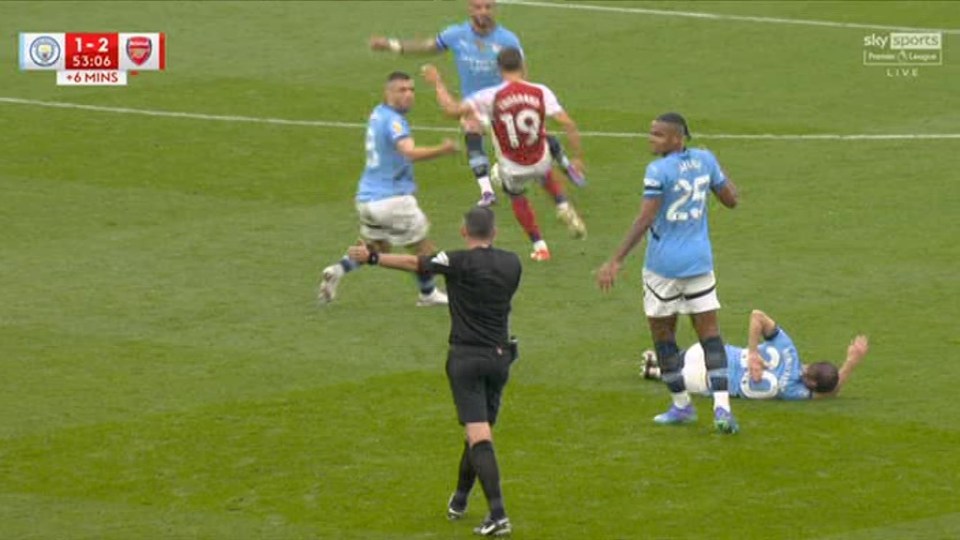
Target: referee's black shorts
477 376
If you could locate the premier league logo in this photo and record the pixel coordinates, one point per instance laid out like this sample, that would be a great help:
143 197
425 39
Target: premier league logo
139 49
44 51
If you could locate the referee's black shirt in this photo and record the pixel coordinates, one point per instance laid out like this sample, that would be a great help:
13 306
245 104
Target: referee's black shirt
480 284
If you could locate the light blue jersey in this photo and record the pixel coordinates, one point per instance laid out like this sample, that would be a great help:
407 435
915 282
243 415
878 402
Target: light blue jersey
387 173
782 377
678 243
476 55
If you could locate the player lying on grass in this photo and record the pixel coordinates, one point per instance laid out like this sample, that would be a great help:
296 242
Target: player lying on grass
768 368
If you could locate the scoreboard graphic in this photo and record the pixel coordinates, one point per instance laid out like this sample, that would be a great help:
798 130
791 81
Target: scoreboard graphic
93 58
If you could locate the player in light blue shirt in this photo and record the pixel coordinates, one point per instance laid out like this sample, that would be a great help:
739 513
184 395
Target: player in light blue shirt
678 242
387 172
769 367
475 45
678 268
779 374
475 53
388 211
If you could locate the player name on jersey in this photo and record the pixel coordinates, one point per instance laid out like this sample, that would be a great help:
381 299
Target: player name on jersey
92 58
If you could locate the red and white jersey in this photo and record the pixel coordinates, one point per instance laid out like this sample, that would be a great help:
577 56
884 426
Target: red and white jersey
518 112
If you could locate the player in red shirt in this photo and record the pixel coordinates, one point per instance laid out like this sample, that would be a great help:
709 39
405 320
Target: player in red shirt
517 110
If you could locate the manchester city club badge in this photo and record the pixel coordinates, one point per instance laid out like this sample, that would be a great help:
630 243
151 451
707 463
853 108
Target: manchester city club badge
44 51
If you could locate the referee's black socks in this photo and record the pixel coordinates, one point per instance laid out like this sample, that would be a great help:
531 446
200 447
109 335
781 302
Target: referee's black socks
485 463
465 478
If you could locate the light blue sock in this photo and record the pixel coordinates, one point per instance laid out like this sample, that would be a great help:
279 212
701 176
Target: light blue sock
348 264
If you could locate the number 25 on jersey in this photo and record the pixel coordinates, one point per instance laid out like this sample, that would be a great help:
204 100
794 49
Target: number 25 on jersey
692 198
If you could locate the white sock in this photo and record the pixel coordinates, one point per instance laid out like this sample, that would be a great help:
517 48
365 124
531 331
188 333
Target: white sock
721 400
485 186
539 244
681 399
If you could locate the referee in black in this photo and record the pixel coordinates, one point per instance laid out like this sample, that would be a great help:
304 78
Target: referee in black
481 281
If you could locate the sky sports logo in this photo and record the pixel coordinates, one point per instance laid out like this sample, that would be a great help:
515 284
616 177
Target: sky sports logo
903 49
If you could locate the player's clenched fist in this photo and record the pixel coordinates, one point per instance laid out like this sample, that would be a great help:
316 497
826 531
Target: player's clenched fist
449 146
430 73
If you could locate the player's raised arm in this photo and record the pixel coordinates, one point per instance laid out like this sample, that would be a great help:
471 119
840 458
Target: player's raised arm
448 104
855 353
405 46
418 153
761 327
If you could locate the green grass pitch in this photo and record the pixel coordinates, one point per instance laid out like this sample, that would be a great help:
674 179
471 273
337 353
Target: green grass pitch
166 374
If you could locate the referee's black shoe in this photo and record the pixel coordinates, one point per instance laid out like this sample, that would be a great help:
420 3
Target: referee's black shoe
455 510
494 527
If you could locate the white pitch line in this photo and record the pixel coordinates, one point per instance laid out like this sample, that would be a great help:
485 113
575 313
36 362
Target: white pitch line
788 137
176 114
358 125
723 17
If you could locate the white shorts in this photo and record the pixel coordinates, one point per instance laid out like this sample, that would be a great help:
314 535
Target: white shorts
695 371
397 220
663 297
696 379
515 177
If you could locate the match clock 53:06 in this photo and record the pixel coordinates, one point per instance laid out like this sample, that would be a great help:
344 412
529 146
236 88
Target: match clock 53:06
92 51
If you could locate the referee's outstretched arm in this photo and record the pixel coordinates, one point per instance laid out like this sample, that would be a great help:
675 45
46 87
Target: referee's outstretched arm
400 261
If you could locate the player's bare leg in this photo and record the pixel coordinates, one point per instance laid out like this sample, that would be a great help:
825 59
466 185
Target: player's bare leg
715 358
663 330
